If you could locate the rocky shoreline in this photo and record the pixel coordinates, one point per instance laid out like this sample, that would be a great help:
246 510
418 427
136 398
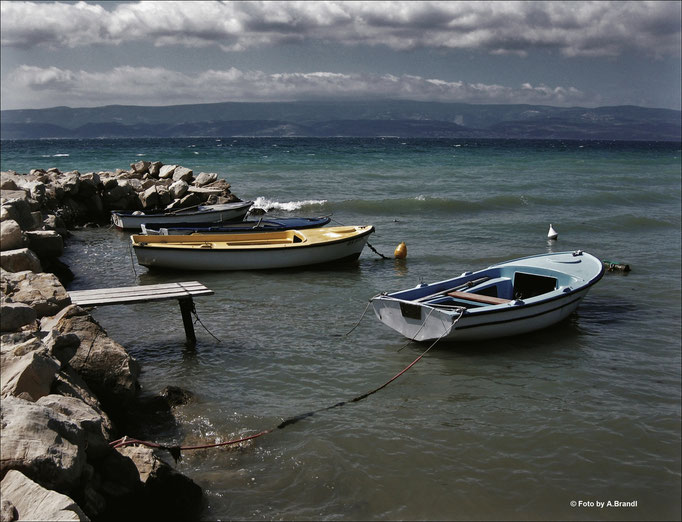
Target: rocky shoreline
68 390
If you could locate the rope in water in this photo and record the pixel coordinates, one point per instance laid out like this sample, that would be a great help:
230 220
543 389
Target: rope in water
175 450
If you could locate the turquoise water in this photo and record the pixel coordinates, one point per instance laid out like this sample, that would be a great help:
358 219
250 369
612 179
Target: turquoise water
512 429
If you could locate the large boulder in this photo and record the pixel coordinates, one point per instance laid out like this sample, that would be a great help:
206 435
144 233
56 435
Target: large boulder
10 235
30 501
149 198
46 244
183 173
110 372
43 444
28 370
178 189
204 178
94 422
71 183
42 291
19 260
141 167
15 315
172 494
154 168
167 171
17 207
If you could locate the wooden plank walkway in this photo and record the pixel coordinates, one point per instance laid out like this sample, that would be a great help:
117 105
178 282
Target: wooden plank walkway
183 292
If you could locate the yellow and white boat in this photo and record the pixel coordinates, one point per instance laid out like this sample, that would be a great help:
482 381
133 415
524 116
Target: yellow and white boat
252 251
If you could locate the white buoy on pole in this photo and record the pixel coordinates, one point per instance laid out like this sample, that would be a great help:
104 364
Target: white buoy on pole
552 234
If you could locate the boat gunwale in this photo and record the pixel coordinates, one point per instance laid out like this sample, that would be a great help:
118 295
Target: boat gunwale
251 248
505 307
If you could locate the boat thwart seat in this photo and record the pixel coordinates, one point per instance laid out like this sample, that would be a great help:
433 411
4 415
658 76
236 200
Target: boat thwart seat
478 298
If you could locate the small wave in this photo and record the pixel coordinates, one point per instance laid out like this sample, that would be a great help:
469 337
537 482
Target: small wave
59 155
289 206
422 203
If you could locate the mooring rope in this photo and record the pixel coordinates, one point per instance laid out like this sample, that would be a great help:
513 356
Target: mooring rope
376 251
368 243
361 318
175 451
197 319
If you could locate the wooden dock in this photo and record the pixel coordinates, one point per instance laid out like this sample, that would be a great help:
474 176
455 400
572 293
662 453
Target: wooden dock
183 292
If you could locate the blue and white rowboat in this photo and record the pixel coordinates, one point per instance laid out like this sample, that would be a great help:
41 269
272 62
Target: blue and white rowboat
510 298
203 214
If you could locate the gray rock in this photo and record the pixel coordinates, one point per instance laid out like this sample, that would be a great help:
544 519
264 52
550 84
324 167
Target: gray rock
110 372
28 370
15 315
178 189
171 492
69 384
95 423
167 171
88 187
31 501
154 168
149 198
45 244
10 235
7 183
164 197
109 183
36 220
70 183
141 167
37 191
19 260
18 208
114 194
204 178
41 443
56 223
42 291
183 173
8 512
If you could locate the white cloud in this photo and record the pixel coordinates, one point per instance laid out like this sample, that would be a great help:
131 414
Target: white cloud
571 28
158 86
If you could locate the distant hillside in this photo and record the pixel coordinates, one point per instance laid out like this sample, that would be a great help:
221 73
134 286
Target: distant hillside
346 118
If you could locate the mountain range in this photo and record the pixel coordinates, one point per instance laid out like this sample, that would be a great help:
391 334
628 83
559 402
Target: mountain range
346 118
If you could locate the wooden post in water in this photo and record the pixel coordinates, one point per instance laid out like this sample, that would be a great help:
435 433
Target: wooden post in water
186 307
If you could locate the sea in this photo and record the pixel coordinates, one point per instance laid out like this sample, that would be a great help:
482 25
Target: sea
580 421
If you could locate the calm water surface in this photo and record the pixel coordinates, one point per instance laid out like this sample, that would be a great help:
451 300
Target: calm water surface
513 429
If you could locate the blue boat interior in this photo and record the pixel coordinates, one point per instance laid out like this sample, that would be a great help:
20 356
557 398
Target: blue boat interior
485 288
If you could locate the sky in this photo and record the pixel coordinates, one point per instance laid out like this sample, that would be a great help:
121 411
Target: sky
587 54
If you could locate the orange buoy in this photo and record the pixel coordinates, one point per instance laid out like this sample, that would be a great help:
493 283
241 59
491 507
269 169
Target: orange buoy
400 251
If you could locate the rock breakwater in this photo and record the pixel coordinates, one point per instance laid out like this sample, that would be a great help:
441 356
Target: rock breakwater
68 390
